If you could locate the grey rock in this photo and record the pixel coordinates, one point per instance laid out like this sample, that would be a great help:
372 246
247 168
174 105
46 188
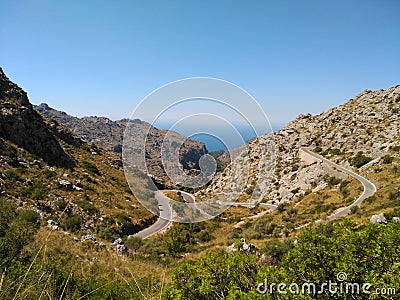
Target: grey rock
23 126
378 219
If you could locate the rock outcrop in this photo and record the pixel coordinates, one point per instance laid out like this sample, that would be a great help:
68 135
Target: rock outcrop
23 126
378 219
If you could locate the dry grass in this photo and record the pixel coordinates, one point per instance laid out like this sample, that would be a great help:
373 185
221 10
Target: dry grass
87 253
83 260
174 196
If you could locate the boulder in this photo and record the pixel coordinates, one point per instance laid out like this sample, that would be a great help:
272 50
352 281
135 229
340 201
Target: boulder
378 219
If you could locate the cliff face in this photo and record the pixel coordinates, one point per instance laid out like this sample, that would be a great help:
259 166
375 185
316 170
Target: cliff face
108 134
23 126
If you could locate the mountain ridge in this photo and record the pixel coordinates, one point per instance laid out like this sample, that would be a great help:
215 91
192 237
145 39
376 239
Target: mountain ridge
109 134
368 123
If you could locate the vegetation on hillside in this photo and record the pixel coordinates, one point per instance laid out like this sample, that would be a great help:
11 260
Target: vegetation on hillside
363 254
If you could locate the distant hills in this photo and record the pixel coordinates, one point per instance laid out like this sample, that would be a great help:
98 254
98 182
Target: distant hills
108 135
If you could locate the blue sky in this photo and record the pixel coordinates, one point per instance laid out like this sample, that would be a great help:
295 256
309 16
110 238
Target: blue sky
102 57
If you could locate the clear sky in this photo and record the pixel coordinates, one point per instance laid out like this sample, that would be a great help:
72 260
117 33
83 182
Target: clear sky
102 57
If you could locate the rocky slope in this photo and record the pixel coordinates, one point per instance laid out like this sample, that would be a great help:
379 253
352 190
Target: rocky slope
22 125
108 134
369 123
72 186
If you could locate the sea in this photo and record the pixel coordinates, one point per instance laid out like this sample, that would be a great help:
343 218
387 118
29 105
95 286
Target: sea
227 140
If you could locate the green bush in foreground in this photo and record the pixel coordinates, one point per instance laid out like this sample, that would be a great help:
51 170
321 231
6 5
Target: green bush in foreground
367 255
43 272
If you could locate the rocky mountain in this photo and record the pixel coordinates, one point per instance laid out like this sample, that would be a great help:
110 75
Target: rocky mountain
108 134
22 125
70 185
357 135
100 131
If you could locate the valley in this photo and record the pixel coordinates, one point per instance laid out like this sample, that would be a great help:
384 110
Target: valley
71 225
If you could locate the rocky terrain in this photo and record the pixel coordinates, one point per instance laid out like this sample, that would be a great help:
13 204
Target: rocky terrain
109 134
71 185
43 163
23 126
66 210
357 134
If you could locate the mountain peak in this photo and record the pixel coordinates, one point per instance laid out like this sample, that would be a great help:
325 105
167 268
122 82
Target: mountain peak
23 126
9 90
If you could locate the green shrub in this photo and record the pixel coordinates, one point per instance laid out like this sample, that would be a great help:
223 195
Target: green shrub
87 206
85 147
335 151
295 191
16 231
359 160
370 199
395 170
36 190
332 181
394 213
213 277
318 256
61 204
107 229
49 174
318 149
264 227
7 213
395 148
12 175
281 207
277 249
204 236
393 195
343 188
134 243
8 150
29 216
90 167
73 223
354 209
387 159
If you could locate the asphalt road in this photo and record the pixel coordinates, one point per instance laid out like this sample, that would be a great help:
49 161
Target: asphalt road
369 187
163 222
166 214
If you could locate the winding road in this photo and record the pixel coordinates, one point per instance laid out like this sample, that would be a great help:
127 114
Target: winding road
166 213
163 222
369 187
